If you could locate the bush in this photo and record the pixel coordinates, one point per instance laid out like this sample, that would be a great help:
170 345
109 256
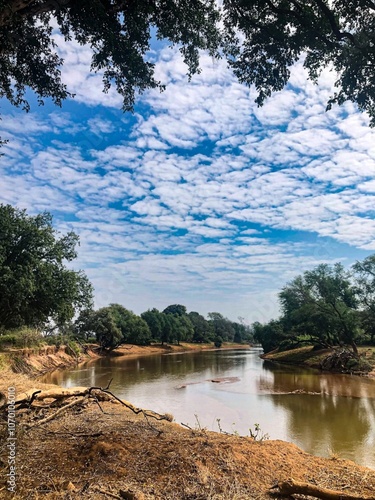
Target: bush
73 348
8 340
22 338
218 342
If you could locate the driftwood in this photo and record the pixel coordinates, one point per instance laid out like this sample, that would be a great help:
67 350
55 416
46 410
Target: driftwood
292 487
81 393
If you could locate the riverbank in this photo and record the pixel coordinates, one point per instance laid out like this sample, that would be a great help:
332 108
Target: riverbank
312 358
97 448
36 361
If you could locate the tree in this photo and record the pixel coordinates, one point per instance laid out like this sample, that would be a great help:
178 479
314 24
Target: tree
134 329
203 329
113 325
269 335
139 332
155 321
323 304
118 33
265 37
169 328
364 273
102 324
176 309
218 341
185 329
261 39
35 284
222 326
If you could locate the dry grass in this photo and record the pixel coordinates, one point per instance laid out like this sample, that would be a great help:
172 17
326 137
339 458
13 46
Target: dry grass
84 450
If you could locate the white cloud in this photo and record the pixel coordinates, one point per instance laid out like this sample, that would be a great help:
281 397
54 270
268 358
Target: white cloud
190 200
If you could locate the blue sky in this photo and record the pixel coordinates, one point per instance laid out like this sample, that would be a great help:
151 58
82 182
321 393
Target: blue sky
200 197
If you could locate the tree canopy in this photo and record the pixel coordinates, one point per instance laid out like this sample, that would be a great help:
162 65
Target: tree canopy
261 40
35 284
325 306
112 326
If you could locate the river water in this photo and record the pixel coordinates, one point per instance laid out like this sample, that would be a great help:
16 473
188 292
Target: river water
324 414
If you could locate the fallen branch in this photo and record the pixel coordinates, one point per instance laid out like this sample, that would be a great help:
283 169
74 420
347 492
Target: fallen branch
137 411
83 393
104 492
58 412
292 487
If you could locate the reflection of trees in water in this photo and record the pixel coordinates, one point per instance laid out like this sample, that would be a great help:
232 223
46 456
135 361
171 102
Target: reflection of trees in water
131 371
282 379
324 411
326 422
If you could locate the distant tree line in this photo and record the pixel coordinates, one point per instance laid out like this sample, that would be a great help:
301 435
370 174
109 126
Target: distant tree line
327 306
114 325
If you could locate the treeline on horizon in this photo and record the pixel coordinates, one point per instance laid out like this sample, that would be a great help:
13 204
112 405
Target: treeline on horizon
325 307
114 325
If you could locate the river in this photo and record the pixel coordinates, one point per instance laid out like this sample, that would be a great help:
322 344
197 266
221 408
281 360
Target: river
324 414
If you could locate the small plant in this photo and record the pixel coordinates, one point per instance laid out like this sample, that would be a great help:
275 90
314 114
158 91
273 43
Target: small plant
198 424
73 348
333 455
257 434
234 431
221 430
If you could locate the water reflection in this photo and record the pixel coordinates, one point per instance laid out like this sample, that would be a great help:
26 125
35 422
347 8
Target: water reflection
325 412
321 413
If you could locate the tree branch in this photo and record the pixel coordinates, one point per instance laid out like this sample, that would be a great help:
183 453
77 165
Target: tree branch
292 487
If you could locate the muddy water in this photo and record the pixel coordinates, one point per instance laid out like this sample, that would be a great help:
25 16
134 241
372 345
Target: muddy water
324 414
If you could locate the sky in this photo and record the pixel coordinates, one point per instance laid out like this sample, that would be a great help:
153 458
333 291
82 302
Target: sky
200 197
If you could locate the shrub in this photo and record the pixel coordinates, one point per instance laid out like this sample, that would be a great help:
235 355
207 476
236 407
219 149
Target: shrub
218 341
73 348
24 337
8 340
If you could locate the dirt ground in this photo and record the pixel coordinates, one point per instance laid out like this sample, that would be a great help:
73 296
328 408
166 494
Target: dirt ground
99 449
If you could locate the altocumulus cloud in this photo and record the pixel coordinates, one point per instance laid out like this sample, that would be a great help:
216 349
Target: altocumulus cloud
199 198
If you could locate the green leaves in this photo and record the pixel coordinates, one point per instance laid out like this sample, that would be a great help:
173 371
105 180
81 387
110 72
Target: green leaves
35 285
261 40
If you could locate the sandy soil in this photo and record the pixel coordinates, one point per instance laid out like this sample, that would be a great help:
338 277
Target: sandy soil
100 449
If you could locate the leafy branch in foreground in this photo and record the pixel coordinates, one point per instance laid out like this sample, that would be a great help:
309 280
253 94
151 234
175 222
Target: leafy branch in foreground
261 40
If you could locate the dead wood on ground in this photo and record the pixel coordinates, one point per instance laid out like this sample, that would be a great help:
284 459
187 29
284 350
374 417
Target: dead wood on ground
291 487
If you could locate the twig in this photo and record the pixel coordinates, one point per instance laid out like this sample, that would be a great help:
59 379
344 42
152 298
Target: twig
137 411
26 402
187 426
97 402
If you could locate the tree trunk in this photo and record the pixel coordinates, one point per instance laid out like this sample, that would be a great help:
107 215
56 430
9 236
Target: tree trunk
354 347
